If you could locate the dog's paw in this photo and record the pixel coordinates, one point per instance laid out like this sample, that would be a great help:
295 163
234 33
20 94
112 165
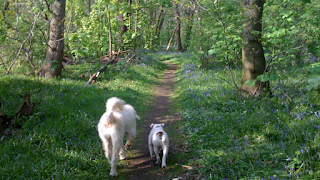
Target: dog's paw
114 174
122 157
128 146
163 165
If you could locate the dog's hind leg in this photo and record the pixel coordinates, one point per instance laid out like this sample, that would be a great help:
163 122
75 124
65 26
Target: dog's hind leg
156 151
151 149
164 157
114 163
106 143
114 159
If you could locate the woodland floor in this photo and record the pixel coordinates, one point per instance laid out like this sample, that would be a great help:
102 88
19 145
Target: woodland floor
139 164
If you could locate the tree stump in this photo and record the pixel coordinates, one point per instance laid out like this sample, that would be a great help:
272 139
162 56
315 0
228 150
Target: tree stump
26 108
3 121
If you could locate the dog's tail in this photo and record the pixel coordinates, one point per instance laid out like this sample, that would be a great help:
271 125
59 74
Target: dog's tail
108 118
115 103
159 134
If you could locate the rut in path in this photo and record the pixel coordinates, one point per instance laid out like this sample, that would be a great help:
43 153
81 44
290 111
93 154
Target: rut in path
140 166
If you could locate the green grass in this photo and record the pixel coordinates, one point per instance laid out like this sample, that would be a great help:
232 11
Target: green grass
236 137
60 140
229 136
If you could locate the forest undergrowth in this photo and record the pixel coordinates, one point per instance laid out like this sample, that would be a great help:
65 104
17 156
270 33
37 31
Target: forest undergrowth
229 136
237 137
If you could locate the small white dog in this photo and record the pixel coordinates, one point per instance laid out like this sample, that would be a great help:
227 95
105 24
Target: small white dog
119 119
158 139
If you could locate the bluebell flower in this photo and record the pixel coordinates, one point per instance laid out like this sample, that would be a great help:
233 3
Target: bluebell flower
299 117
316 113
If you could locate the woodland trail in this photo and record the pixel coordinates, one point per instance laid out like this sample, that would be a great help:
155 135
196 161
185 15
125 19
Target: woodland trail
140 166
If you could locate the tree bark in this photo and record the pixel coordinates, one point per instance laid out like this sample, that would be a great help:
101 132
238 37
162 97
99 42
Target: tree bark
190 13
110 32
52 66
171 38
178 37
123 28
253 60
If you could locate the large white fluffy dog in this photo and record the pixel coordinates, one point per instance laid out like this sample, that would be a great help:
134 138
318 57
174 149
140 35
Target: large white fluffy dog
119 119
158 139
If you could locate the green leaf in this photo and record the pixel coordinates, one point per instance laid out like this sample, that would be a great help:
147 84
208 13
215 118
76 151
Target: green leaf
210 52
251 82
53 66
314 96
314 81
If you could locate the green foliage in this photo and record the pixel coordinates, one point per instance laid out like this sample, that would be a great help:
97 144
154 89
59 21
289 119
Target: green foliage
313 86
17 27
290 30
216 36
263 78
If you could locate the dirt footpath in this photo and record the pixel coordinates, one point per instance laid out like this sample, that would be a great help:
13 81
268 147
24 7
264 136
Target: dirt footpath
140 165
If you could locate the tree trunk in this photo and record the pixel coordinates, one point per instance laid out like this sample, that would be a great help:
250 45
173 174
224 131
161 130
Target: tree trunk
171 38
178 37
109 31
123 28
52 66
158 27
253 60
189 26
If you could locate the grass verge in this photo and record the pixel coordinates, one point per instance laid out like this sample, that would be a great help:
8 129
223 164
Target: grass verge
235 137
60 140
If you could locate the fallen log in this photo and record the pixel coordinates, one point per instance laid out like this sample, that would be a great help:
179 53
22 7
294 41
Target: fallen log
108 57
96 74
125 64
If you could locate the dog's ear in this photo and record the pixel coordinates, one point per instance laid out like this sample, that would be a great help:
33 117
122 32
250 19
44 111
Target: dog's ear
162 124
151 125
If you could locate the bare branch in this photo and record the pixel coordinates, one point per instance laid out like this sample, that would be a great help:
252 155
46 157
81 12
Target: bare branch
22 45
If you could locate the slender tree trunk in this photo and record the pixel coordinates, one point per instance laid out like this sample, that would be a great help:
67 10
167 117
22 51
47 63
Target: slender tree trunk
171 38
123 28
52 66
158 27
178 37
110 32
136 27
190 14
253 60
5 6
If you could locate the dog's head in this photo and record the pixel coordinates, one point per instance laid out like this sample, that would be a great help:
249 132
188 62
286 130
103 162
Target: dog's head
156 125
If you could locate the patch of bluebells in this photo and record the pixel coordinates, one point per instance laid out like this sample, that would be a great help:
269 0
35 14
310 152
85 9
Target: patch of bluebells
299 115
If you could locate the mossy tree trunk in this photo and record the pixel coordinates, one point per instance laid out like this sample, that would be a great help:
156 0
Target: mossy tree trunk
253 60
52 66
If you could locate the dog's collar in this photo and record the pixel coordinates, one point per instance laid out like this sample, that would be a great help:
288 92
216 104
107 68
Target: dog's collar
158 126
